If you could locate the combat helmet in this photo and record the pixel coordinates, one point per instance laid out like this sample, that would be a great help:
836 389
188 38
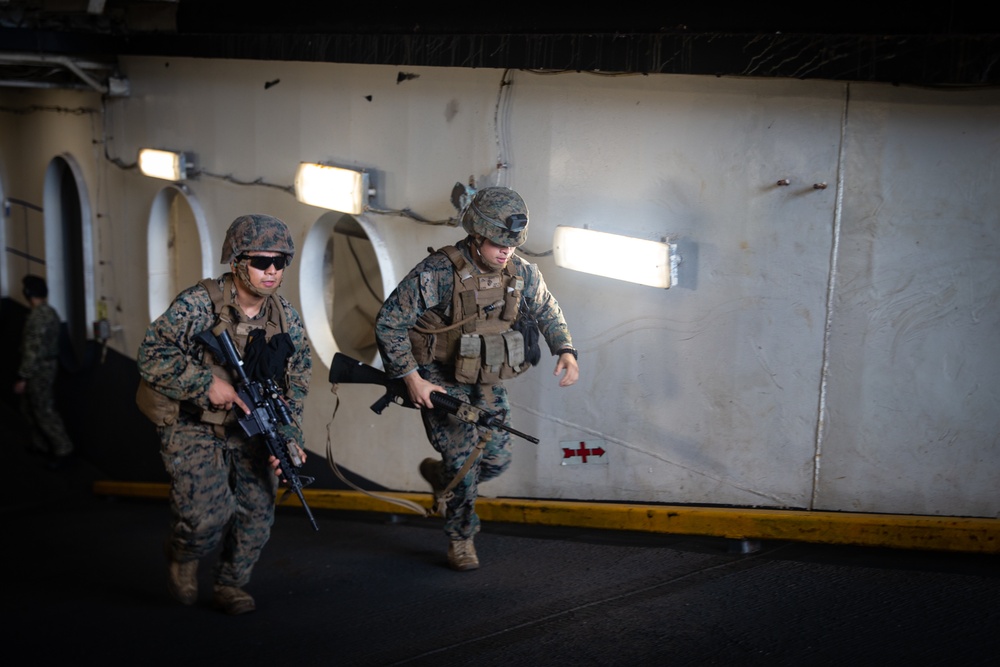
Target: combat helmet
257 232
498 214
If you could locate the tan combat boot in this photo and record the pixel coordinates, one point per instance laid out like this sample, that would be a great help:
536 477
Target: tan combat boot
232 600
182 581
462 555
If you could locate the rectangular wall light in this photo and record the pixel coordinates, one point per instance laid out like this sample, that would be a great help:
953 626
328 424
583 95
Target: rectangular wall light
169 165
344 190
640 261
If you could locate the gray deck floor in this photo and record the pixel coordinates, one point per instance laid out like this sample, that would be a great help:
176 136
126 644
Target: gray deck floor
85 584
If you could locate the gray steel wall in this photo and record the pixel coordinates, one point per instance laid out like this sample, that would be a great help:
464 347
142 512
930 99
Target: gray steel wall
830 343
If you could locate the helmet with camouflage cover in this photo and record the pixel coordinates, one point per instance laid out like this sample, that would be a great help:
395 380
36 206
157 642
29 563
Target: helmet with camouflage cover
499 214
257 232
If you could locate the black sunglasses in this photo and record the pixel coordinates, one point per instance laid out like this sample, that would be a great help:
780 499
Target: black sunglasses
262 262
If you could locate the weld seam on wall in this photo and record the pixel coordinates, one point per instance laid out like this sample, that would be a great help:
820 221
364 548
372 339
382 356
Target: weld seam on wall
830 293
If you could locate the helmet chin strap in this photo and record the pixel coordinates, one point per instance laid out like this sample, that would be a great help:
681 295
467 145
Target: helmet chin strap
240 269
477 244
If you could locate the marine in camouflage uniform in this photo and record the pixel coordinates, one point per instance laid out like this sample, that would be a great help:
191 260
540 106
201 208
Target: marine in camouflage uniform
223 488
497 223
37 374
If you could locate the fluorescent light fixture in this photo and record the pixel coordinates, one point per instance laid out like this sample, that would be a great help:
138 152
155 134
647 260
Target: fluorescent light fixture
343 190
640 261
168 165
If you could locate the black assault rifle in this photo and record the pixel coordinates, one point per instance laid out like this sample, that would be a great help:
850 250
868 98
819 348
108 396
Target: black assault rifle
267 410
345 370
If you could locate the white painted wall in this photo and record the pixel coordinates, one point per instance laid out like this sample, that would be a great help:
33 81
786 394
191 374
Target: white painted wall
913 419
829 348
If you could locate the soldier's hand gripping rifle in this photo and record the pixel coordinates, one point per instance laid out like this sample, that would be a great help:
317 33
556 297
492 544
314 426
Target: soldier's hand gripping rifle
345 370
267 411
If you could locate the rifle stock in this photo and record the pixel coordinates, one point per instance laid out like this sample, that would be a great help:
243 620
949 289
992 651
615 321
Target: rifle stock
346 370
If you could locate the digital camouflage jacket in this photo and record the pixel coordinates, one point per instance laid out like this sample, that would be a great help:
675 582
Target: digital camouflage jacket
176 365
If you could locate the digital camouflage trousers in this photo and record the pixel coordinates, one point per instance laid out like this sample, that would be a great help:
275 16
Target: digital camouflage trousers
38 406
222 491
455 440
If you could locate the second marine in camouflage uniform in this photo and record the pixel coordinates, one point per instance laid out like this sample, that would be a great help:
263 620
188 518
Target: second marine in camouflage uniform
223 488
497 223
37 373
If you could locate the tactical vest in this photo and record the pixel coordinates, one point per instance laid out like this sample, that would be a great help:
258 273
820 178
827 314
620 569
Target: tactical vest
163 410
228 311
478 341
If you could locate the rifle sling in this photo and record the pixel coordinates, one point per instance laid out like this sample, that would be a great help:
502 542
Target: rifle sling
440 499
472 459
402 502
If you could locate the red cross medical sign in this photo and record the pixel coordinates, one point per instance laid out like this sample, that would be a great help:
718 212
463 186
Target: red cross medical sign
584 451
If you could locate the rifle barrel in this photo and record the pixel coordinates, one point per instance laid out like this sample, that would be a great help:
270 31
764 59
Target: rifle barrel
530 438
309 513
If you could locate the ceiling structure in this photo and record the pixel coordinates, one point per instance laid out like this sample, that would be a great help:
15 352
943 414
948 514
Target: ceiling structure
76 43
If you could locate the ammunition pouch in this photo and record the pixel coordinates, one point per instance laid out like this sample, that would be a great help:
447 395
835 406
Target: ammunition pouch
156 406
422 346
489 358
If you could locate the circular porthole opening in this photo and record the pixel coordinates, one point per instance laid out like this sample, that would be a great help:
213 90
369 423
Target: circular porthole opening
345 277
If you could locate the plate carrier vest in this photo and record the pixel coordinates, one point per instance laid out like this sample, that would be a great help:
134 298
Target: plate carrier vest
163 410
478 342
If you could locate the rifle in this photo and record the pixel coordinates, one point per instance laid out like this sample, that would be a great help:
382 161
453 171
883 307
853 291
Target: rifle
267 411
345 370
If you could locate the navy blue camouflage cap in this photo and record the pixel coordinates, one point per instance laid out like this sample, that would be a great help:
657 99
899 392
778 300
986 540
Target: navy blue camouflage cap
498 214
257 232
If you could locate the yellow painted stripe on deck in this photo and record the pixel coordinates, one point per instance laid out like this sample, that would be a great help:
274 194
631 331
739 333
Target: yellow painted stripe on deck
937 533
